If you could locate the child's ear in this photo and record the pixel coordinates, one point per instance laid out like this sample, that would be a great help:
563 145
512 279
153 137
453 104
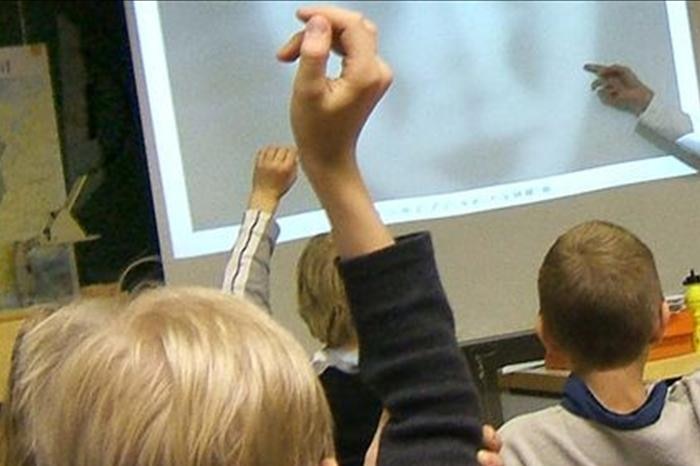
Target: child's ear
543 335
664 316
550 345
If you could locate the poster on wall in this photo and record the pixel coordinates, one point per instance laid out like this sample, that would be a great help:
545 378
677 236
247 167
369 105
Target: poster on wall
32 185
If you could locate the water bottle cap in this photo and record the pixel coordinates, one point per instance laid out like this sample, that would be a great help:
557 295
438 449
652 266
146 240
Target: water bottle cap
691 279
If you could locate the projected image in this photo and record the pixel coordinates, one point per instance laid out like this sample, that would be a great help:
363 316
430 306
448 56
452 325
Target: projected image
490 106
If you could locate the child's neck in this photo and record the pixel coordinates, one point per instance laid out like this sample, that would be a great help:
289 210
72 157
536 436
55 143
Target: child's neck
349 347
620 390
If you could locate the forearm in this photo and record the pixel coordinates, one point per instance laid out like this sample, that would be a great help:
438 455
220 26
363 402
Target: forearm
247 272
410 357
666 122
357 227
262 201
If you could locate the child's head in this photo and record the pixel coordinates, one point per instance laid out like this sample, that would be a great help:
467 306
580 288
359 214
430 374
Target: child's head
600 296
45 338
321 294
186 377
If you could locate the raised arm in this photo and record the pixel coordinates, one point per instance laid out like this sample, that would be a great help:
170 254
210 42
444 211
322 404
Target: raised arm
248 269
327 116
416 368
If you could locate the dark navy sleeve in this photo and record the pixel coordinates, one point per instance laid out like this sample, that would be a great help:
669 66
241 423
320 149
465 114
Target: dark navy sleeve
410 357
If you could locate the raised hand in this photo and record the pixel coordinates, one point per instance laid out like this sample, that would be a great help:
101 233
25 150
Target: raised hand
274 173
327 114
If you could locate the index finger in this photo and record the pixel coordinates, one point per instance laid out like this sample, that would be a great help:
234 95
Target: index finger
357 36
594 68
615 71
341 20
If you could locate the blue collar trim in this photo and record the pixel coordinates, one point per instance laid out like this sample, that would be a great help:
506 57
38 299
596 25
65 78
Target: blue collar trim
579 400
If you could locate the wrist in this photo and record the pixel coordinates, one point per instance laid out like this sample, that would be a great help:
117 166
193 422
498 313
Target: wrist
267 202
324 166
645 101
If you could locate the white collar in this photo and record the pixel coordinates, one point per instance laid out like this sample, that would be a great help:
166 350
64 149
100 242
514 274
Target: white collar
344 360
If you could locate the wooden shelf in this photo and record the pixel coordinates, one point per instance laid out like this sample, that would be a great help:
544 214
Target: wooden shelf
536 378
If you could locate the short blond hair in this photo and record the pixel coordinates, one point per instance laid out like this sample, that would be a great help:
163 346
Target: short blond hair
600 295
187 377
45 338
321 294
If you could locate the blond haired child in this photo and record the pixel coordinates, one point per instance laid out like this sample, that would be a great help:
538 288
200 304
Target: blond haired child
324 307
185 376
43 342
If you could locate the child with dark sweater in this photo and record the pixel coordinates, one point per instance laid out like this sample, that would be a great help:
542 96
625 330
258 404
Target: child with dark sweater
409 353
416 368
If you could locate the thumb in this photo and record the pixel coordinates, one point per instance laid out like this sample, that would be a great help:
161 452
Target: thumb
487 458
315 49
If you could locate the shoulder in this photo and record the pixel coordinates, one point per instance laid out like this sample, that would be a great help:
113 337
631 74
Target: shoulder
347 390
333 375
337 383
537 438
536 423
687 390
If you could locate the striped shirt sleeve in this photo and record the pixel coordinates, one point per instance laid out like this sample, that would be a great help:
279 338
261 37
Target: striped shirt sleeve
247 272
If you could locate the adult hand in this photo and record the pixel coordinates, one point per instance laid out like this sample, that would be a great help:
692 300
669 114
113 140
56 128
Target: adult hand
274 173
327 114
619 87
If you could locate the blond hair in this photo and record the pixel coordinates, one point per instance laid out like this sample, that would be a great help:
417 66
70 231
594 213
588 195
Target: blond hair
187 377
600 295
45 338
321 294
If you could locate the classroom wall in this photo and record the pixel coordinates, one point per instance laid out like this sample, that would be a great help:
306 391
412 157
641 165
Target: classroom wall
98 124
489 261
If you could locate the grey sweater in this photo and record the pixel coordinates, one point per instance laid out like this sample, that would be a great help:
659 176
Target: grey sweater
556 437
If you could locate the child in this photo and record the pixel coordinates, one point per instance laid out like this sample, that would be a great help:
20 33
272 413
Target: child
322 302
194 377
409 353
323 306
190 377
247 272
601 307
45 338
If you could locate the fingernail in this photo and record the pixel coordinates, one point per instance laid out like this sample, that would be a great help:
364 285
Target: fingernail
316 25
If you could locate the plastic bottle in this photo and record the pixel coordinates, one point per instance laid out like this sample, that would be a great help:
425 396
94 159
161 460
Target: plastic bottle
692 302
